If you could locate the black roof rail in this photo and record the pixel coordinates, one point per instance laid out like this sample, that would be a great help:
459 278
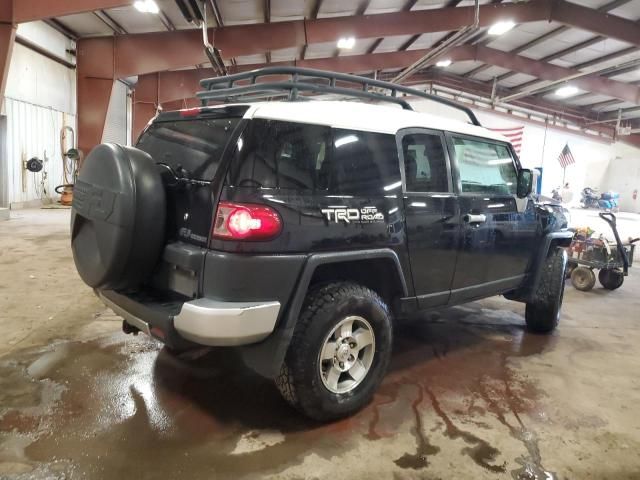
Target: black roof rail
311 81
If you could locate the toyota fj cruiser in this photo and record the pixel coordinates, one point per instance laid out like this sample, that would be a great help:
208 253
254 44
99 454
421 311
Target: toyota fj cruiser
298 232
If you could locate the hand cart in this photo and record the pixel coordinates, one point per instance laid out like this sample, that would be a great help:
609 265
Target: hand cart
611 259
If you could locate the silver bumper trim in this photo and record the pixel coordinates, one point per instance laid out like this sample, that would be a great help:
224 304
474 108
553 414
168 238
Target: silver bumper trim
215 323
128 317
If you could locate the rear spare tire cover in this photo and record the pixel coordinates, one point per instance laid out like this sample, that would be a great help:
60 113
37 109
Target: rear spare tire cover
118 217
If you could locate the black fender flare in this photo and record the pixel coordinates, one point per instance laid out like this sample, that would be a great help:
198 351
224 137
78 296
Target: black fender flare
551 240
265 358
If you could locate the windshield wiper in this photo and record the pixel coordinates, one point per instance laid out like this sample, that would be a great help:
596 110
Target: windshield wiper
180 176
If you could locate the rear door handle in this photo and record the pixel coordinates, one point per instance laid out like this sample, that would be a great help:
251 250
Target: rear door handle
470 218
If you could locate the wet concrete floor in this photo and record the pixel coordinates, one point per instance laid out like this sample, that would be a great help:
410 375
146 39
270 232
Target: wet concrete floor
470 394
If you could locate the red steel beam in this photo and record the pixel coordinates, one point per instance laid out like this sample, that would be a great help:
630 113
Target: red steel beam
584 18
547 71
7 40
159 88
31 10
139 54
94 89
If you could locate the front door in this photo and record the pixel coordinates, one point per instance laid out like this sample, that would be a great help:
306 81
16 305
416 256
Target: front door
498 229
431 214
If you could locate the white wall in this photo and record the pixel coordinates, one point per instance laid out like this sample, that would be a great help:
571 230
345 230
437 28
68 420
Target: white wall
623 176
39 100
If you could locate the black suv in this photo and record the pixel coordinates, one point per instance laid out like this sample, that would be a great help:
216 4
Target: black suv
299 232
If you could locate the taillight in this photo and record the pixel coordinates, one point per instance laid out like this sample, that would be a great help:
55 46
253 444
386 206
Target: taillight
235 221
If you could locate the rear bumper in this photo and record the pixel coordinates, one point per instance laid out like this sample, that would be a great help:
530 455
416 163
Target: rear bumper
202 321
214 323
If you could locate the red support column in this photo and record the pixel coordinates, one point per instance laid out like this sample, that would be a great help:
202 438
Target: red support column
7 37
96 78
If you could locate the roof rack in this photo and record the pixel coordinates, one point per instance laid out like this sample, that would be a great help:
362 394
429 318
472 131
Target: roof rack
310 80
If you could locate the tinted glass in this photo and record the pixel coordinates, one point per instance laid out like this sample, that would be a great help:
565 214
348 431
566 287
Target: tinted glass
195 145
274 154
365 163
425 163
485 167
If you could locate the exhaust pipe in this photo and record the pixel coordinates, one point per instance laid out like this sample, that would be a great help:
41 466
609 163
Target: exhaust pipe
129 329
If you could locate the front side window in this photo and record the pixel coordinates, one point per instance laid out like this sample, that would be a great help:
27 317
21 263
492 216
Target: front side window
485 167
425 164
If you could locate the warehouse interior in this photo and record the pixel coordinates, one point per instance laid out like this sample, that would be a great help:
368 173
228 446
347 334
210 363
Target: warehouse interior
469 393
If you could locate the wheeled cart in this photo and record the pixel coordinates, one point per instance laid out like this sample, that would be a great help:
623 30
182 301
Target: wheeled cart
611 259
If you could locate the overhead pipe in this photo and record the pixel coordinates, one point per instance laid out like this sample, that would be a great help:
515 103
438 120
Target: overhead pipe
456 39
540 88
213 54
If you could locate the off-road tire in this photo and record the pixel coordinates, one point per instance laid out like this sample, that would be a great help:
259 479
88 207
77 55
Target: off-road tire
583 279
300 382
542 313
611 279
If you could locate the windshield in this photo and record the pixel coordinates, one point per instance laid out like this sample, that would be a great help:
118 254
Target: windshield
195 145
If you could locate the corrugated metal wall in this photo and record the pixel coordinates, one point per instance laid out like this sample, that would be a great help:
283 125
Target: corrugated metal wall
33 131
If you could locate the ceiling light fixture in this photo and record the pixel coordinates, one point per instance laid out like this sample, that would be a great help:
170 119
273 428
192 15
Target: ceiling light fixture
502 27
567 91
443 63
146 6
346 43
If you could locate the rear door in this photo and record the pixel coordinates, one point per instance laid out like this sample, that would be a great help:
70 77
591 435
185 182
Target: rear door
498 229
191 144
431 213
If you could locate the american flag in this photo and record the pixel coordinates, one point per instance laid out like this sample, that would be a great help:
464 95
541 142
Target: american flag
514 135
566 158
481 156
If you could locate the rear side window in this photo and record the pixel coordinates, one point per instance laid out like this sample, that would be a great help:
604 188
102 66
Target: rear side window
195 145
273 154
303 157
425 163
485 167
364 163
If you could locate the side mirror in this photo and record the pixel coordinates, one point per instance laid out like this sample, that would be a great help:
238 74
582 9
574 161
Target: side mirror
525 183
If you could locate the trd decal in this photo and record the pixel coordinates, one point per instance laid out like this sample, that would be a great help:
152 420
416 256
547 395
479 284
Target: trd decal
353 215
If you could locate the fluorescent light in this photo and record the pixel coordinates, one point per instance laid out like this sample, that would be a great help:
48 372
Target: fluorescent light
146 6
502 27
499 161
345 140
566 91
393 186
346 43
418 204
393 210
443 63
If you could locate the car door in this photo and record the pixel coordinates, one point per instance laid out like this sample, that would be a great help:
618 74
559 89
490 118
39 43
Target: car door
431 213
498 230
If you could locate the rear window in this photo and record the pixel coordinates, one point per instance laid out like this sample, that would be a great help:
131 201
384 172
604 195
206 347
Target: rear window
195 145
296 156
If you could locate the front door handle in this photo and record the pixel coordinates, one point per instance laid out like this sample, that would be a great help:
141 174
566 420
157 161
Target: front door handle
470 218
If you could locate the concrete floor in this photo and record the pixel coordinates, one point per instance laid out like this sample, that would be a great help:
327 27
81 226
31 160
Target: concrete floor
469 394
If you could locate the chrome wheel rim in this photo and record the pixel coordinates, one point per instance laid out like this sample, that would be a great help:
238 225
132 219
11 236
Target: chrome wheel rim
347 354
